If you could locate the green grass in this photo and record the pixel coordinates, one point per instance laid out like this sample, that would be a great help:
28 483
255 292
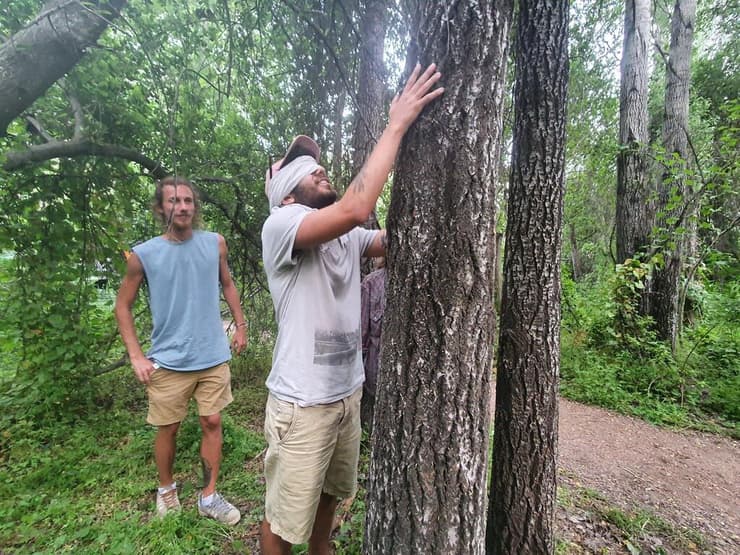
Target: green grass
87 484
641 523
596 377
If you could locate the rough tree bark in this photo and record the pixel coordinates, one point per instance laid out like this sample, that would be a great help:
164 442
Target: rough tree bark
522 499
46 49
666 280
635 207
427 482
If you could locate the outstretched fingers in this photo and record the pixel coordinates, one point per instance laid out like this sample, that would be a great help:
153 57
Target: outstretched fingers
418 86
416 94
426 80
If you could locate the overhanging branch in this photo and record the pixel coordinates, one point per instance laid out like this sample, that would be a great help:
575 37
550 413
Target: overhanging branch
81 147
46 49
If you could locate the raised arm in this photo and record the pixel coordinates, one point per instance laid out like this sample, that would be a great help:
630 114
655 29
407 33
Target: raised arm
239 340
358 201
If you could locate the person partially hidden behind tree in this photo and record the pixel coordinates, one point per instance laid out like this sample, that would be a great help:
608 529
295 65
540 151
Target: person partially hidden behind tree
189 352
372 306
311 248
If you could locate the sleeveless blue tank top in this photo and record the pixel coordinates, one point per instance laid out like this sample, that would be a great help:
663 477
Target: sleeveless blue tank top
184 296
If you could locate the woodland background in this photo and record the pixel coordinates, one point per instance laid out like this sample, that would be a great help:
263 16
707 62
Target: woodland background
215 90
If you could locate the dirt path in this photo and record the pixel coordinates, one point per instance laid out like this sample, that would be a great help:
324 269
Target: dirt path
688 479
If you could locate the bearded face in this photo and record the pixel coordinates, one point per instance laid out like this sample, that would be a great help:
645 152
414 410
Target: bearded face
315 190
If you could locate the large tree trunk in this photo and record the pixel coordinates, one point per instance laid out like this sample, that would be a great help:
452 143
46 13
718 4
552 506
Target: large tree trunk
666 280
522 500
46 49
427 482
635 209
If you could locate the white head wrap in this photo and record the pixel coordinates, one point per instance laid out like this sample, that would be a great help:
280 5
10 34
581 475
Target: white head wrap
287 178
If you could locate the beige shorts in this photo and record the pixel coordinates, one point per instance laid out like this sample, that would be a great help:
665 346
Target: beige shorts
170 391
310 450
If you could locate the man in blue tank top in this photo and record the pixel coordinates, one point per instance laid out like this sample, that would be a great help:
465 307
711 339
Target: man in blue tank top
311 248
185 270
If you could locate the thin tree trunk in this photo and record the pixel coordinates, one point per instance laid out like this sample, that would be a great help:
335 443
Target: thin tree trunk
575 253
38 55
522 500
666 280
635 207
427 482
370 83
369 118
337 151
498 278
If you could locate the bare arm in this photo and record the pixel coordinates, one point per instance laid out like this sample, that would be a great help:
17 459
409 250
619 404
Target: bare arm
379 246
125 299
358 201
239 341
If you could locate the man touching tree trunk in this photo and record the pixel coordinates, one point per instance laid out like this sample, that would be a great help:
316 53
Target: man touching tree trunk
311 251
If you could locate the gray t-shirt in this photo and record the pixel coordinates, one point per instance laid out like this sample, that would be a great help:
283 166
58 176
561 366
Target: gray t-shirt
316 294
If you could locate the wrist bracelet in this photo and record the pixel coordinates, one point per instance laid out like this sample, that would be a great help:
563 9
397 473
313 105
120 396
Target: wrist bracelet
242 325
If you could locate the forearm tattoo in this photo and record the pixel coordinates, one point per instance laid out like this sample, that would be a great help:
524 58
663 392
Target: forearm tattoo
358 183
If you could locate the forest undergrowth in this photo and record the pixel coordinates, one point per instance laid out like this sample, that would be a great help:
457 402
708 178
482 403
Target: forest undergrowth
85 483
77 474
632 372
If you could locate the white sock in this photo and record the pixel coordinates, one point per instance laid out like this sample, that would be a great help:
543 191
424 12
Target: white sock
165 489
207 500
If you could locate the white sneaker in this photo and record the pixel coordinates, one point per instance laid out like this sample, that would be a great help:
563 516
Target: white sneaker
219 509
167 502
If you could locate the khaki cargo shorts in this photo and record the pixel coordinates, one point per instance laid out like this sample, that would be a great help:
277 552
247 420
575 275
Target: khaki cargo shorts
170 392
310 450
